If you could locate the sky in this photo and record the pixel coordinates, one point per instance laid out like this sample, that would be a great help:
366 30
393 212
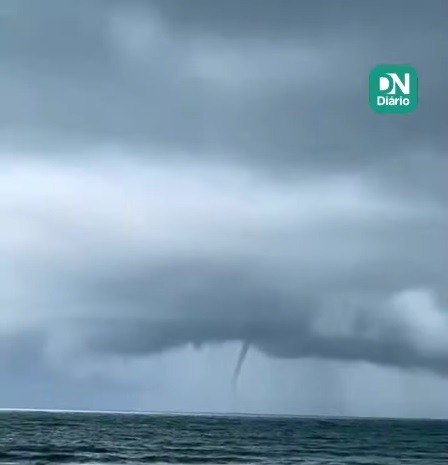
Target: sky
179 180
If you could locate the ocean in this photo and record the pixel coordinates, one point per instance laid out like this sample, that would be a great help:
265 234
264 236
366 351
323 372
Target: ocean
110 438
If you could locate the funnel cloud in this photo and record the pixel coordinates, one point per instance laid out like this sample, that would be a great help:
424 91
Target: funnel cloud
239 364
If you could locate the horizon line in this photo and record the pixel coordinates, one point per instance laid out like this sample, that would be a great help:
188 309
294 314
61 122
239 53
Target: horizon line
217 414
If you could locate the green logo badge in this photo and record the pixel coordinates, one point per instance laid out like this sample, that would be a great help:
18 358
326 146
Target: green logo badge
393 89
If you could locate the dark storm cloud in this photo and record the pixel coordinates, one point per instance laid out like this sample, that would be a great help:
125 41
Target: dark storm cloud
282 83
129 259
379 327
289 17
221 178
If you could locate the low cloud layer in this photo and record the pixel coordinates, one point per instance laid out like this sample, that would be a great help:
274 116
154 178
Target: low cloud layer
130 258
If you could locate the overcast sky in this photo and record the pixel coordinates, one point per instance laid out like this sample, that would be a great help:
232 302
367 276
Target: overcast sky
180 178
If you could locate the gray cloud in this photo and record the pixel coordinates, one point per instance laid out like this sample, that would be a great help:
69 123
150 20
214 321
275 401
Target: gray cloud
323 268
154 73
176 177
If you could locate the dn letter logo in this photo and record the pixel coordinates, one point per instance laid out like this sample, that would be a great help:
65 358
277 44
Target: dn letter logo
393 89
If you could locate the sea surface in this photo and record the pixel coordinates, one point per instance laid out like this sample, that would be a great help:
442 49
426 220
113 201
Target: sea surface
108 438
